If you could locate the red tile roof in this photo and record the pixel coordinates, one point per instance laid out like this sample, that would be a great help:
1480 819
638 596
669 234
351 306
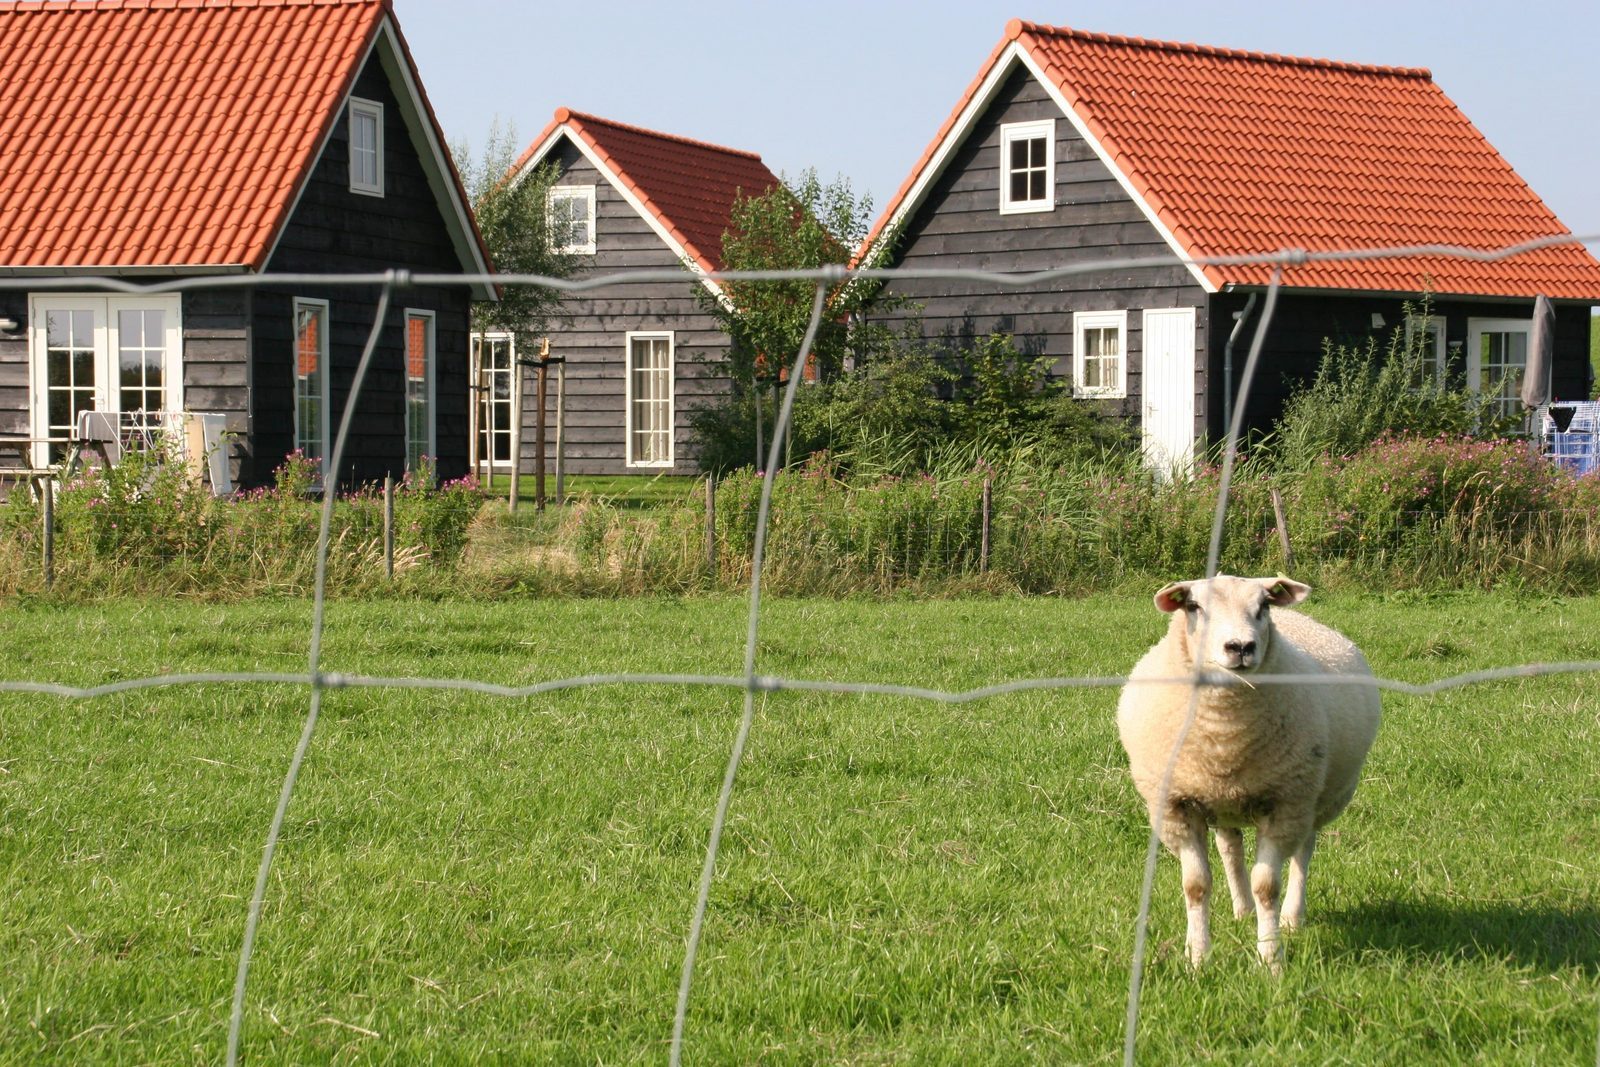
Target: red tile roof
168 133
687 187
1239 153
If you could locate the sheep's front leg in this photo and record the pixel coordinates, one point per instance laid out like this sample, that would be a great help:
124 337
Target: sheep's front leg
1230 842
1184 832
1275 840
1294 893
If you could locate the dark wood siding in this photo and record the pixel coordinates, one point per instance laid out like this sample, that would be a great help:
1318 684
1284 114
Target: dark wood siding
591 336
1292 348
959 225
335 230
14 364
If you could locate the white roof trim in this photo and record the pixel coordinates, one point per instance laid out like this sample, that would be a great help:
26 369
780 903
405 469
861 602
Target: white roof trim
977 105
1122 179
615 180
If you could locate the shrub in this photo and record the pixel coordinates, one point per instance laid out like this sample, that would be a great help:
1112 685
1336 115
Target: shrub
1359 396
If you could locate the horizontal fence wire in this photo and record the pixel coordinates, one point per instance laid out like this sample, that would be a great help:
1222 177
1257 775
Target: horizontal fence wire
751 683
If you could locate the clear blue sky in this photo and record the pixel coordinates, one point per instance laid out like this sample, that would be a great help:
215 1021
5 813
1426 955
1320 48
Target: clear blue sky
859 88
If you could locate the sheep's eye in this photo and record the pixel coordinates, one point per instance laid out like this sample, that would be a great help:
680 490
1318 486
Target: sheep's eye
1261 612
1192 608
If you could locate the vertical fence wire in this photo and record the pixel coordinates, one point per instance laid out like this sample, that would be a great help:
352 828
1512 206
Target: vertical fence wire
1213 559
725 797
330 479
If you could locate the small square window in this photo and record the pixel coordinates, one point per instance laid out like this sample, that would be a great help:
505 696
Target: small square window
572 219
366 147
1100 354
1027 169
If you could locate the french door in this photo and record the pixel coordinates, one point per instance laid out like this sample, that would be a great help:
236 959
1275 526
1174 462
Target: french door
1497 358
100 353
495 405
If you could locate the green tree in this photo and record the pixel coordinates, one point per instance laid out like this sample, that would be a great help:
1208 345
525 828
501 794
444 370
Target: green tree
795 226
513 216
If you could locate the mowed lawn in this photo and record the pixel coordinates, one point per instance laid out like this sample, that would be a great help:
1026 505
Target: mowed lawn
473 879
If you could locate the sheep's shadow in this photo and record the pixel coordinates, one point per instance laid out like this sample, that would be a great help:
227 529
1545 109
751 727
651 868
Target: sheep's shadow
1541 936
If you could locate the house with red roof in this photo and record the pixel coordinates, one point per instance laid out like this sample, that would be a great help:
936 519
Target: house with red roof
226 141
641 356
1071 147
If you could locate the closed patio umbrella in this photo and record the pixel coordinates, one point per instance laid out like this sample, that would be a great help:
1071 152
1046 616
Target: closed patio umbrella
1541 347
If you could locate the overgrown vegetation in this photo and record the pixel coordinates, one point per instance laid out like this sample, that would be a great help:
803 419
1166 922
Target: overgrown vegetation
145 526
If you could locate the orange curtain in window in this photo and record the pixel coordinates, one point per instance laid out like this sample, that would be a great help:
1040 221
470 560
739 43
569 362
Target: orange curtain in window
308 345
417 348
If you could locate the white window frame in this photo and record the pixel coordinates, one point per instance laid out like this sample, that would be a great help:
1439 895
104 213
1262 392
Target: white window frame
373 110
105 341
585 195
628 397
1027 131
1435 324
1082 322
430 442
1476 328
324 371
481 390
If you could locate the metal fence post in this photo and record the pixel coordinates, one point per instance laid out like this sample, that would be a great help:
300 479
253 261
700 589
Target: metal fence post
388 526
987 525
47 511
711 526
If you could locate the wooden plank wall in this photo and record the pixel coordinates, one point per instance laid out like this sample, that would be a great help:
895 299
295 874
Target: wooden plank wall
591 336
959 225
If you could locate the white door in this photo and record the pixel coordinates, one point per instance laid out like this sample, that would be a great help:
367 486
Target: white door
100 353
1168 389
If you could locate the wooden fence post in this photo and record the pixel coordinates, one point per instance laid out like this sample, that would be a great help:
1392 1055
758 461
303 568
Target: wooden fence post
988 519
1283 530
47 509
388 526
711 526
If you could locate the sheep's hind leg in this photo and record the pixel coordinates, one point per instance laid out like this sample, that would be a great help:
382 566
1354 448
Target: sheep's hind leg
1230 843
1294 893
1275 841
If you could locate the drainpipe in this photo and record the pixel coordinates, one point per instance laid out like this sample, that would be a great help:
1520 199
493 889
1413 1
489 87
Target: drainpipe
1240 318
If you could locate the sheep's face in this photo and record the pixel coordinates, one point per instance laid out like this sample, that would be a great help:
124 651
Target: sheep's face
1229 620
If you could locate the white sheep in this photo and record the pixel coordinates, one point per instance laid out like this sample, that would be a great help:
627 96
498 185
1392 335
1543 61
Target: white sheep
1282 757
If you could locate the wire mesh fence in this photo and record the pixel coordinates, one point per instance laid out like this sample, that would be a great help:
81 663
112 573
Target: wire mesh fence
779 531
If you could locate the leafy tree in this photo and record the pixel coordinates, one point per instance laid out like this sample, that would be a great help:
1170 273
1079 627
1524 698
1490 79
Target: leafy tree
795 226
513 216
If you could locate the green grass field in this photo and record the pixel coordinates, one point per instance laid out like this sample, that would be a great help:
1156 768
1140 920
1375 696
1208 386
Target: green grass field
468 879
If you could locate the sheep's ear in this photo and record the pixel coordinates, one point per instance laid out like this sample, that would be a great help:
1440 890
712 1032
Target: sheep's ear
1281 592
1173 597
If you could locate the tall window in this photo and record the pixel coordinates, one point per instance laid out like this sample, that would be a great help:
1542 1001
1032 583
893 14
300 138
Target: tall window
100 353
649 400
494 408
1099 353
1497 356
1426 332
572 219
311 379
1027 166
419 388
366 147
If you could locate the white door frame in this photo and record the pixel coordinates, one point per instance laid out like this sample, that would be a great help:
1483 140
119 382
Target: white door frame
1166 391
106 345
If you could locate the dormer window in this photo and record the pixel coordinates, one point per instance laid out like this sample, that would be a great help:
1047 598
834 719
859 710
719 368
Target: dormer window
366 147
1027 166
572 219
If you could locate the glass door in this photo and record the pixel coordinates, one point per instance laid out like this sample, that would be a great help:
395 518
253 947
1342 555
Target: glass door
1496 360
495 407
